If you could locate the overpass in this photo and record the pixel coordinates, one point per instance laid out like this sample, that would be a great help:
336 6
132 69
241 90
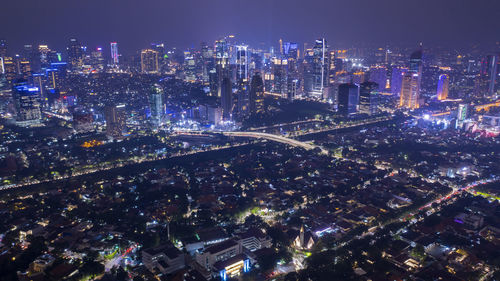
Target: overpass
272 137
259 135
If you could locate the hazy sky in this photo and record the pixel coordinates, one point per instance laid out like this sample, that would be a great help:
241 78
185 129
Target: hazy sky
136 23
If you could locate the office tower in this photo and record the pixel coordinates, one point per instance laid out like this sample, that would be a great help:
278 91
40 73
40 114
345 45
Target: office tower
97 59
242 58
256 94
409 91
114 53
443 86
24 69
378 75
27 103
397 79
358 77
75 55
320 67
10 69
149 61
462 114
226 95
43 55
156 105
115 120
222 53
280 73
291 50
368 98
416 67
3 48
348 98
189 66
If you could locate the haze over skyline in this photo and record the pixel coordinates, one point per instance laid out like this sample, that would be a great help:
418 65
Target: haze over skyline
187 23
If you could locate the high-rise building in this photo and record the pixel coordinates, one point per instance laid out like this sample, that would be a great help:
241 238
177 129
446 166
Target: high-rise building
368 98
443 86
149 61
24 69
320 67
409 91
280 73
156 105
416 67
114 53
256 94
10 69
226 95
97 60
242 58
115 120
489 72
348 99
222 53
75 54
27 103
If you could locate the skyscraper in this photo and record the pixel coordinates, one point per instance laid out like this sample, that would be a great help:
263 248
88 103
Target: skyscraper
27 103
280 73
115 120
368 98
348 99
320 67
416 67
226 98
149 61
156 105
257 94
443 86
75 54
378 75
242 59
490 72
114 53
409 91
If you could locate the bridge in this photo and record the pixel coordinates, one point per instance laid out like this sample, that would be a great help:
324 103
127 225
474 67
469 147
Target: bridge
259 135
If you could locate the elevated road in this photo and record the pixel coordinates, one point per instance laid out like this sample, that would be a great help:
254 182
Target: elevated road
272 137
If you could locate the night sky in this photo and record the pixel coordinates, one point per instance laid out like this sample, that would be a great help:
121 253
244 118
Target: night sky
185 23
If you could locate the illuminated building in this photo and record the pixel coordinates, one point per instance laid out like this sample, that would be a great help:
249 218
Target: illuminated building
10 69
225 259
232 267
156 105
164 258
462 114
97 59
242 58
348 98
222 53
291 50
358 77
368 98
443 86
189 66
149 61
415 68
56 74
280 73
320 67
489 72
409 91
27 103
83 122
256 94
114 53
115 120
226 94
75 55
24 69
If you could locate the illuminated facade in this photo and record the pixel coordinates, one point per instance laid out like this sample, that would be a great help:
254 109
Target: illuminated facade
443 87
368 98
149 61
115 120
348 98
410 91
156 105
320 67
114 53
242 59
27 103
75 54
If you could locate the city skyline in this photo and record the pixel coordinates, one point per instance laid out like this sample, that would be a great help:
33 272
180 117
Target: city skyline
186 24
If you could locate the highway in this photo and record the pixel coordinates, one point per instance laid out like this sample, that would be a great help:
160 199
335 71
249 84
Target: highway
272 137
